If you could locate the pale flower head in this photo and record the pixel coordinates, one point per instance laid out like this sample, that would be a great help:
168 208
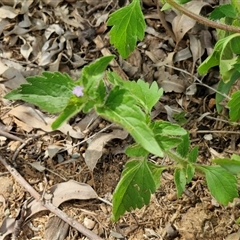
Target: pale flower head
78 91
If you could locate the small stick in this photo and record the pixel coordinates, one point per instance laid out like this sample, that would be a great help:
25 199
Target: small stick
11 136
72 222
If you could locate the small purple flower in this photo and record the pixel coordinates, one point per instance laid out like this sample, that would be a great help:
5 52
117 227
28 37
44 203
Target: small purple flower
78 91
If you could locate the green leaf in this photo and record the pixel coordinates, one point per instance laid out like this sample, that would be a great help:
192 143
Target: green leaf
236 5
120 107
235 46
226 10
222 55
183 147
115 79
180 180
67 113
234 106
136 150
98 66
180 118
227 68
128 27
166 128
97 97
50 92
156 171
146 95
167 6
190 172
149 96
192 157
211 61
235 157
224 88
164 132
167 142
91 76
221 183
231 165
134 188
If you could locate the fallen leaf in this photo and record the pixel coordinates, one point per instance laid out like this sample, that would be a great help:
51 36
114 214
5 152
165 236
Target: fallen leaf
94 150
37 120
52 150
59 193
8 12
14 78
171 83
181 24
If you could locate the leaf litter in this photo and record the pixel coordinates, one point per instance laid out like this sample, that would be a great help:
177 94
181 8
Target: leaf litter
60 36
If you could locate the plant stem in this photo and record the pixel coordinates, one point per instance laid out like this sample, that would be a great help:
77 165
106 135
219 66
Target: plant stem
174 156
203 20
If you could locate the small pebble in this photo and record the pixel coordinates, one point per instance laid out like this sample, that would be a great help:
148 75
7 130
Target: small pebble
172 196
89 223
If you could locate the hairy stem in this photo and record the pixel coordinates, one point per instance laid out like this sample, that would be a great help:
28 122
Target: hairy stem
201 19
178 159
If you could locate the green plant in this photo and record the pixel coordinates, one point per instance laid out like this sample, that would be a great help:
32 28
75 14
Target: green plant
129 104
226 56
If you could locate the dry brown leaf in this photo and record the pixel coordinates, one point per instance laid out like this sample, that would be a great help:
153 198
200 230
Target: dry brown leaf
59 193
38 166
37 120
52 150
182 24
14 78
56 229
94 150
8 226
50 48
196 48
8 12
52 3
206 41
171 83
234 236
89 118
182 55
26 49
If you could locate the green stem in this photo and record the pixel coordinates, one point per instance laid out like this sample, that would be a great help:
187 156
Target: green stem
174 156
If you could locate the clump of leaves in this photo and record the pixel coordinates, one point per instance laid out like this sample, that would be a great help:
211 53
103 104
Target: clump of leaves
128 104
226 55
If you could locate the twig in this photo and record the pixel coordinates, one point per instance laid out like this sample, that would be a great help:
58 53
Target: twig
85 140
11 136
218 131
195 78
72 222
203 20
163 21
20 148
105 201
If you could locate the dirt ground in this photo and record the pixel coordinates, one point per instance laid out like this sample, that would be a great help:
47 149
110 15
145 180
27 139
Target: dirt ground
64 36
